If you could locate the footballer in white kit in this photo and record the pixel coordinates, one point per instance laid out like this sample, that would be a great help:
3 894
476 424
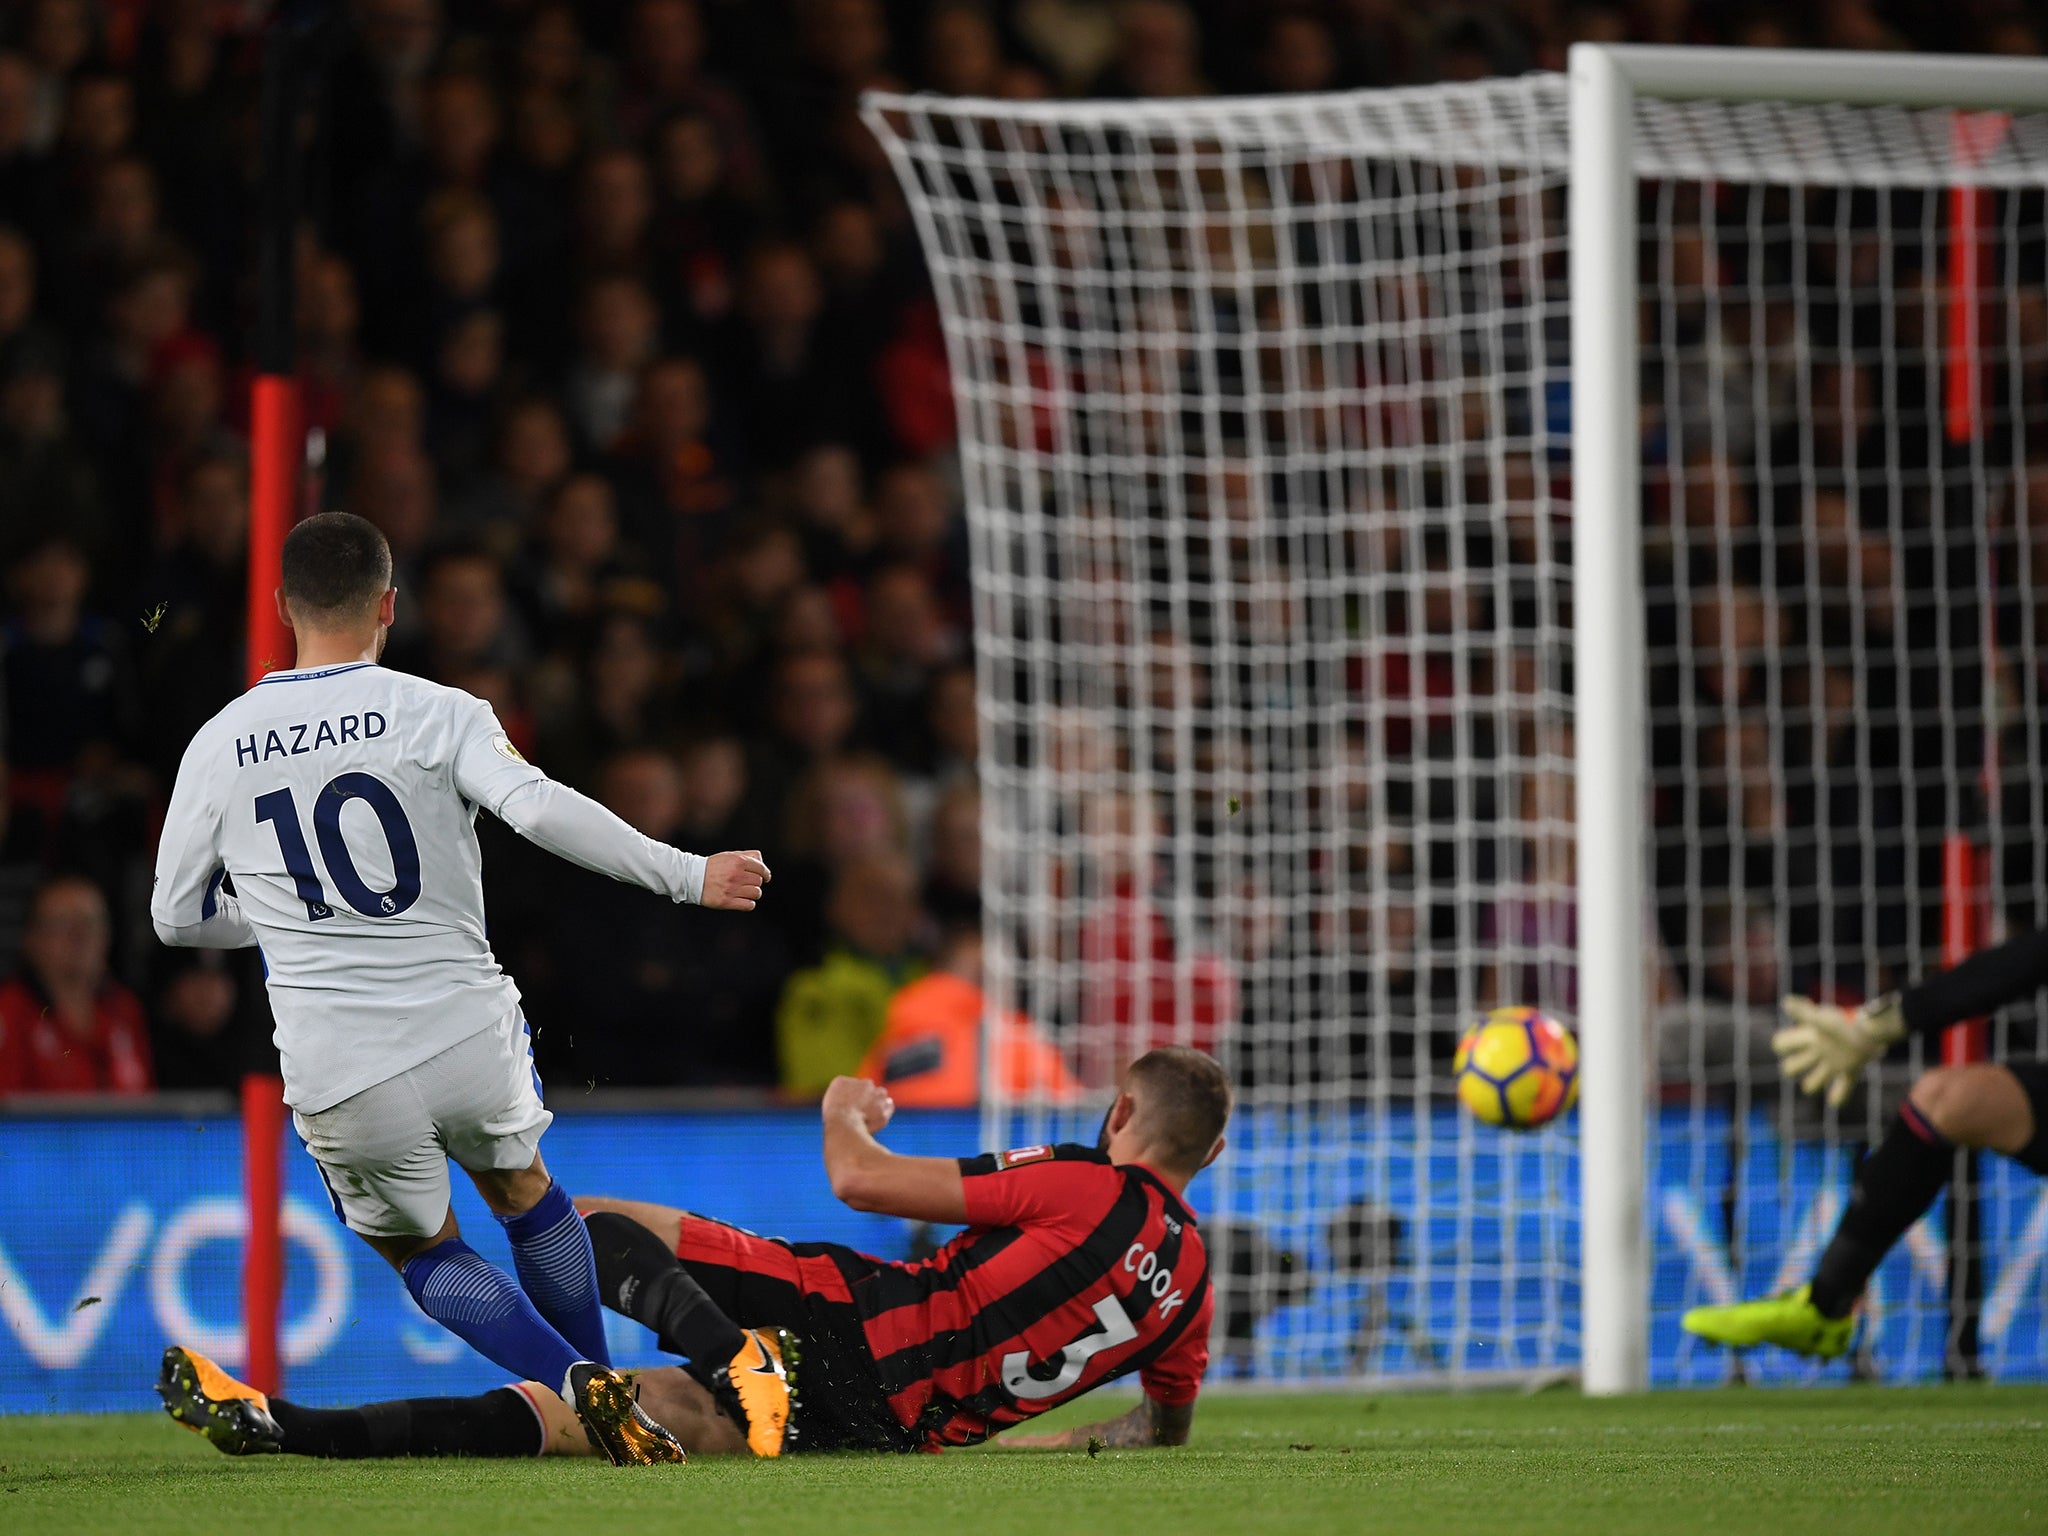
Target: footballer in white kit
327 816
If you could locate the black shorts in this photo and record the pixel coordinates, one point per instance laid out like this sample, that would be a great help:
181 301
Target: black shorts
762 1282
2033 1078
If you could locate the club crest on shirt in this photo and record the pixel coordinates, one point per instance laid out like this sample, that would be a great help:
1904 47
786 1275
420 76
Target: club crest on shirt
1022 1155
504 748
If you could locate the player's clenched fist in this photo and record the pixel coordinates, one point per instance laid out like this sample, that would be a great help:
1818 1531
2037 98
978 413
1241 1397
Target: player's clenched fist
858 1096
733 881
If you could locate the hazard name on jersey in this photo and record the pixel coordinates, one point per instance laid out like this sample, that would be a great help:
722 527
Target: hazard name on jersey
305 736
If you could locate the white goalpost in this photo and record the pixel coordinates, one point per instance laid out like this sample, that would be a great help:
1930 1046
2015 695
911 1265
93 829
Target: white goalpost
1607 82
1569 541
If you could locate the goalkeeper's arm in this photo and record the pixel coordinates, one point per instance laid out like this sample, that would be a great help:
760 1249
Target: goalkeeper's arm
1826 1046
1982 984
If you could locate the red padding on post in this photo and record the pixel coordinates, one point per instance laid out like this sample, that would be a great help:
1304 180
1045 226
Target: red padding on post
1962 935
263 1257
1972 137
277 457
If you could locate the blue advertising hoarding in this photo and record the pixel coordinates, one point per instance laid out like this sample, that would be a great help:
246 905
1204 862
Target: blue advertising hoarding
118 1235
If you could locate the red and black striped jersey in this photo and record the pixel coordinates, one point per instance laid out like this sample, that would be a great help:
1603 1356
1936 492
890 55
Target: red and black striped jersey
1073 1271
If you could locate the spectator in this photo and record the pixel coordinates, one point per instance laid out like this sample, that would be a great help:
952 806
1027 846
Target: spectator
465 622
902 644
626 696
715 785
17 283
832 1012
929 1053
952 889
21 180
614 212
386 416
1146 984
187 390
702 224
1298 54
845 809
330 358
578 555
665 75
530 459
953 720
198 598
208 1006
962 54
47 480
66 1026
812 714
187 105
617 329
676 484
825 490
1158 52
468 386
72 708
150 307
790 391
395 489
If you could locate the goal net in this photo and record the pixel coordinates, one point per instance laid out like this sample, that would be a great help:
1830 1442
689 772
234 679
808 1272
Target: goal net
1265 427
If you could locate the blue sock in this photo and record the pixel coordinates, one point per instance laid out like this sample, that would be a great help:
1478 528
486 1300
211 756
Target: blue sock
551 1253
478 1303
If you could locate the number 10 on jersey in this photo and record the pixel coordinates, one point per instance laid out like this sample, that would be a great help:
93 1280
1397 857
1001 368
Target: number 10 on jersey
279 809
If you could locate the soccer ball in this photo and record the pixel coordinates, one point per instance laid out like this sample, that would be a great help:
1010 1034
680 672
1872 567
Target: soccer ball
1517 1069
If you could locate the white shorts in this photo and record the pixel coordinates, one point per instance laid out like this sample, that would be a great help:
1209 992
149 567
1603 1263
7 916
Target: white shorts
385 1151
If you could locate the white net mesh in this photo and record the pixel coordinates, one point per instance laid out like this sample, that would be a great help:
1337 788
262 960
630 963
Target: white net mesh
1264 430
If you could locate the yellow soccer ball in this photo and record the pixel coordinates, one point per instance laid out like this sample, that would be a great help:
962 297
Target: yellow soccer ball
1517 1068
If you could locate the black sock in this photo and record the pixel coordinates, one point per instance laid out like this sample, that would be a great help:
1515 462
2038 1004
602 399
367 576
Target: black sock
638 1276
1893 1189
499 1423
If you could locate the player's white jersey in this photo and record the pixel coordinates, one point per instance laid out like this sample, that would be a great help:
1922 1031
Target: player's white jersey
342 802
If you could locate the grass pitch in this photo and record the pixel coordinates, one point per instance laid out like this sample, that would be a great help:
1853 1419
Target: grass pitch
1866 1461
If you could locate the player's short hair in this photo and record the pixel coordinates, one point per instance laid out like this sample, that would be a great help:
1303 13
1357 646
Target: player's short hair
336 565
1183 1099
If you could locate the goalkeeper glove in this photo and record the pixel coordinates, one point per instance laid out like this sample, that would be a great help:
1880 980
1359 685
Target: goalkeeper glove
1827 1047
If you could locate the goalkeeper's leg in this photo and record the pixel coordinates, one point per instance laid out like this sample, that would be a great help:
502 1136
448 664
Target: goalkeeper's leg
2002 1108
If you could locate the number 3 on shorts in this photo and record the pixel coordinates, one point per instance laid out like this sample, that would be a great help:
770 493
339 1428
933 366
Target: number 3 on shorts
1116 1329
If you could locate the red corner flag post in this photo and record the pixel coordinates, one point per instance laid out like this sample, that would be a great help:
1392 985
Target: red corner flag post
294 47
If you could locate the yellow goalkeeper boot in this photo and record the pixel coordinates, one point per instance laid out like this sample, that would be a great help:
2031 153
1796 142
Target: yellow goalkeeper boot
1789 1320
234 1417
757 1393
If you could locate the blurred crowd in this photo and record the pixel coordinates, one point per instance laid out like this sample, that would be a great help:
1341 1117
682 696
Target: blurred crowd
611 316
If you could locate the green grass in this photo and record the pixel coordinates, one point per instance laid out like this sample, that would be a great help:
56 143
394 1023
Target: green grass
1856 1462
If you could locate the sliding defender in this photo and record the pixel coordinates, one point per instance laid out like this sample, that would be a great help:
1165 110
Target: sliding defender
1079 1265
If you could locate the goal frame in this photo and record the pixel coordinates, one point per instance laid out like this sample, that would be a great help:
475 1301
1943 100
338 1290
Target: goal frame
1605 81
